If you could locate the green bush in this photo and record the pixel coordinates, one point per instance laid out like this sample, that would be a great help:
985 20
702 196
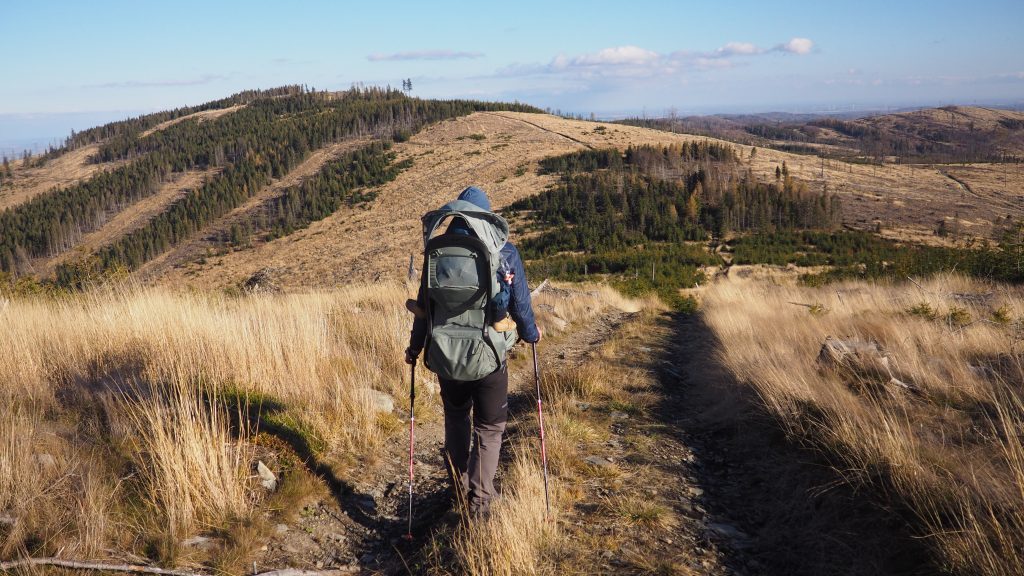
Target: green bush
923 310
958 317
1002 316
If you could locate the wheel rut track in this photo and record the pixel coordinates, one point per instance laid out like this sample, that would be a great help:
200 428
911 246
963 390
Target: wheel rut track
542 128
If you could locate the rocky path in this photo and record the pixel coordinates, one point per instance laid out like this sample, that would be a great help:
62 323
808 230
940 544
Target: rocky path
641 508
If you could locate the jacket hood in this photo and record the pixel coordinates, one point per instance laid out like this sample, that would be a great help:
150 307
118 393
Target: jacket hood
476 196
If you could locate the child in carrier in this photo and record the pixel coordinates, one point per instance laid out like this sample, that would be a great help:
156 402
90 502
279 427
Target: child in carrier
499 304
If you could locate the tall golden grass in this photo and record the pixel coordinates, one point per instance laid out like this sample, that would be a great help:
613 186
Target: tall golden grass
122 425
129 413
947 445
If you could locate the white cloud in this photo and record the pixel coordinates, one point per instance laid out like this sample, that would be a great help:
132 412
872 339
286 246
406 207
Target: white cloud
635 62
423 55
797 46
617 56
738 49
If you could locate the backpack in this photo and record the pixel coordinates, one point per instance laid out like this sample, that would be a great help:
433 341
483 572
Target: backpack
460 278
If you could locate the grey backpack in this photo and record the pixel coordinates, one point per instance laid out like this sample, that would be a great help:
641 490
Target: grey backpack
460 277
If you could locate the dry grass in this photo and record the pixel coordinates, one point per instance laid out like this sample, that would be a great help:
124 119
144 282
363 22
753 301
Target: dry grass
949 446
193 471
517 536
129 420
136 406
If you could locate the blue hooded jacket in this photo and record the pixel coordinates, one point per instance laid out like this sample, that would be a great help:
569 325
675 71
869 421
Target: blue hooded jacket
520 308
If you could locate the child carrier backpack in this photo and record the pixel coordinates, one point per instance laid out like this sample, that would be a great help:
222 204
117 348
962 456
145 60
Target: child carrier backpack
460 277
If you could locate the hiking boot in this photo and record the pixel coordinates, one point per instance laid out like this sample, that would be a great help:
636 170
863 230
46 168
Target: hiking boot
506 324
479 512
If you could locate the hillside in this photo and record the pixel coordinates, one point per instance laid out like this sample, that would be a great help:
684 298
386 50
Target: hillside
496 150
907 201
246 144
177 225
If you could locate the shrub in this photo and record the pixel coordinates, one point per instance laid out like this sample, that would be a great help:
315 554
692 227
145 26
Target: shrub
958 316
924 310
1002 315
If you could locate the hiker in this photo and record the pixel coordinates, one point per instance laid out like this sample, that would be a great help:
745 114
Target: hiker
471 446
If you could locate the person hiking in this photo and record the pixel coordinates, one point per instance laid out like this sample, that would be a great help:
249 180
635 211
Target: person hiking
471 361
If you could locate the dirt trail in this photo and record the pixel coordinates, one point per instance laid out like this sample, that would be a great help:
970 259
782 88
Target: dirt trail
357 524
538 126
781 509
655 466
740 497
64 170
201 116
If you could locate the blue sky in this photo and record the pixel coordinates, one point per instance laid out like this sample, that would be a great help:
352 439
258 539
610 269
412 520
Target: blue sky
73 64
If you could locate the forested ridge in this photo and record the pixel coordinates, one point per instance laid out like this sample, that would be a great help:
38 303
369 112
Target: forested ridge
132 127
856 254
636 215
259 142
606 200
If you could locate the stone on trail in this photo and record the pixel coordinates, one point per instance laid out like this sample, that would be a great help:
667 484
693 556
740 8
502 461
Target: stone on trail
598 461
558 324
267 478
382 403
862 357
46 461
731 533
262 282
837 352
201 542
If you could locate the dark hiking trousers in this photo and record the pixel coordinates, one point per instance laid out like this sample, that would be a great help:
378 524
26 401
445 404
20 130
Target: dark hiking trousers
473 446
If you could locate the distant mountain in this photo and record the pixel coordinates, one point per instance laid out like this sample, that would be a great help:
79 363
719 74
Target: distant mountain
942 135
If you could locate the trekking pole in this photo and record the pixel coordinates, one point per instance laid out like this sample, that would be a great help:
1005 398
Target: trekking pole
412 440
540 419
